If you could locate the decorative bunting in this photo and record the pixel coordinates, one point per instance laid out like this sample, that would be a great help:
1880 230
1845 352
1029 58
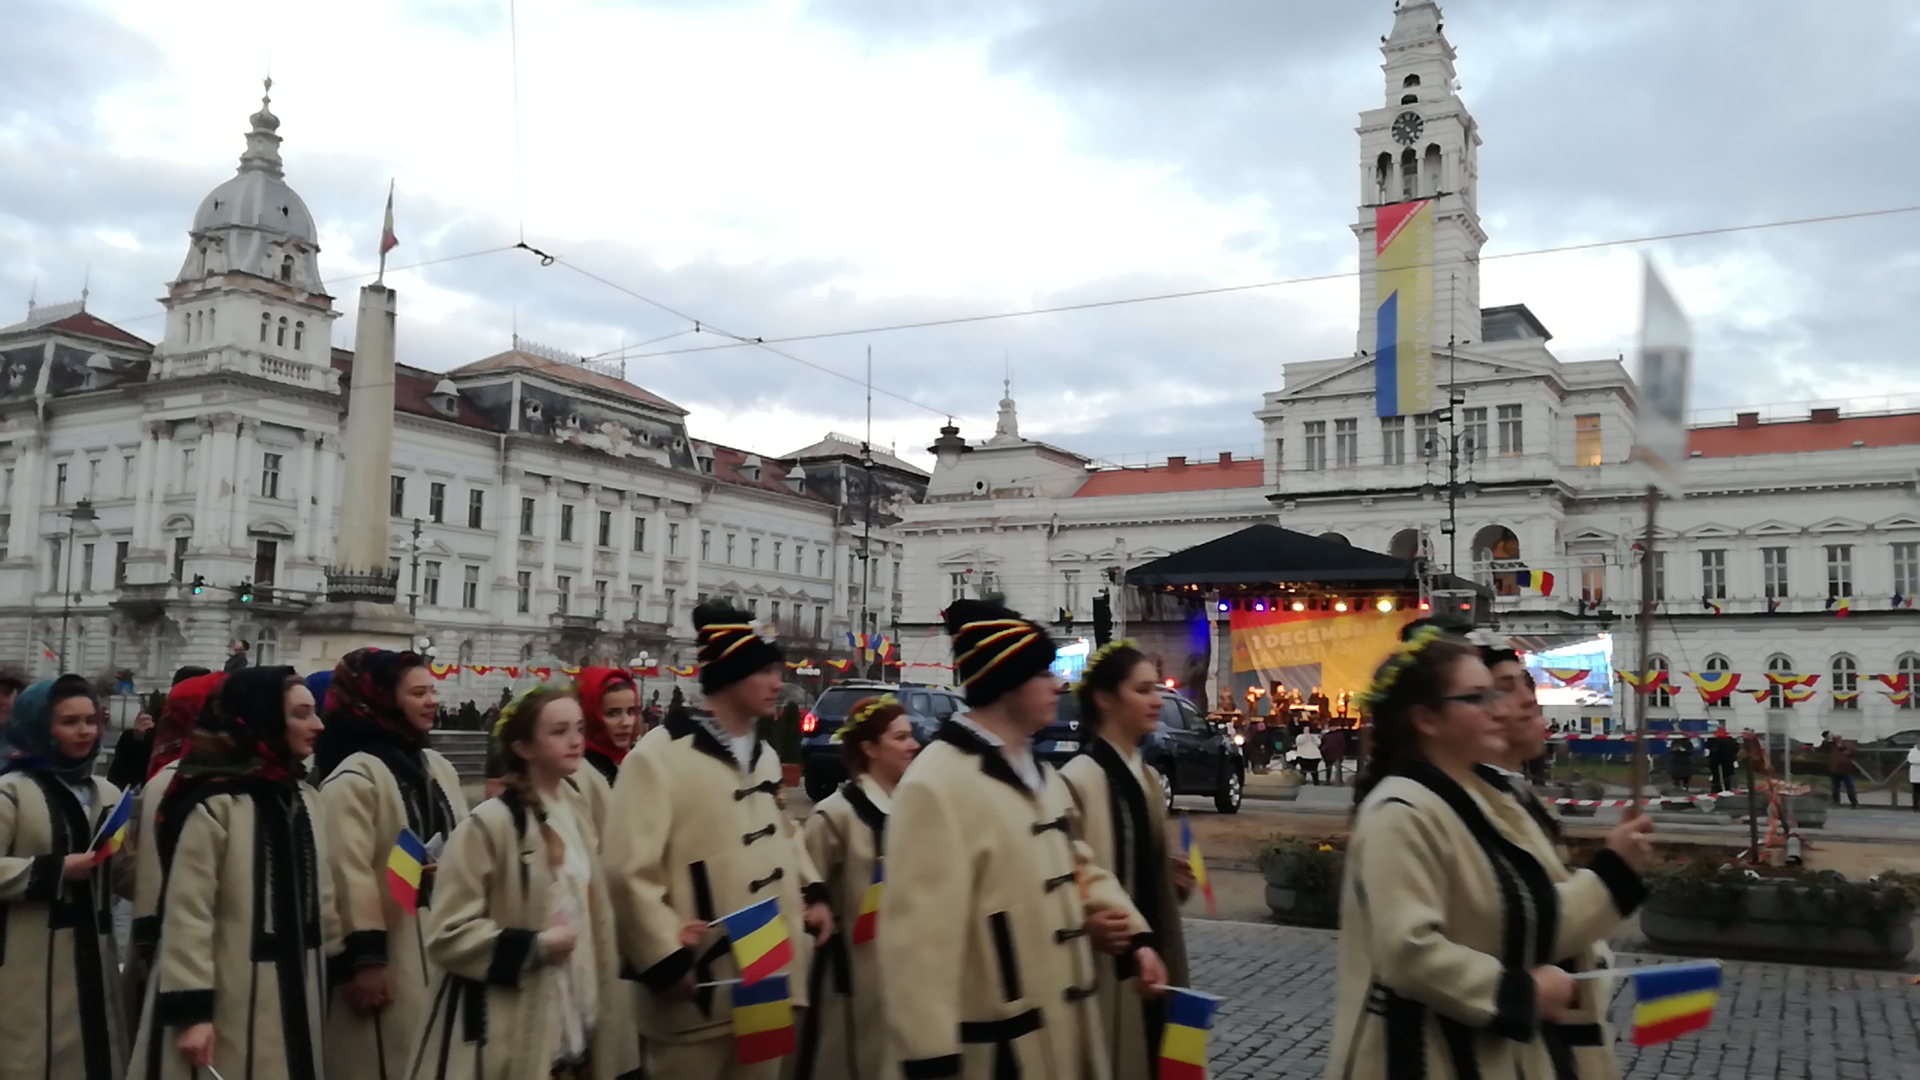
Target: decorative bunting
481 669
441 671
1569 676
1892 682
1846 695
569 671
1647 683
1789 679
1714 686
685 672
1760 695
544 674
1901 698
513 672
840 665
1797 694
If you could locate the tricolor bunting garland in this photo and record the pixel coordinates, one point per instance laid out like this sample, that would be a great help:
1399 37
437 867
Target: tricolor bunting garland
113 831
867 923
1797 694
1891 682
1714 686
760 943
1183 1042
763 1021
405 865
1846 695
1674 1001
1568 676
1647 683
1788 678
1198 865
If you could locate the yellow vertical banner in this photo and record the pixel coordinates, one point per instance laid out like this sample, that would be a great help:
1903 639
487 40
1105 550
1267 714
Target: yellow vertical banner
1403 321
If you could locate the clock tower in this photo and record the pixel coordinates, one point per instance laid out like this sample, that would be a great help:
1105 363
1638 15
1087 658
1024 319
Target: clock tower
1423 144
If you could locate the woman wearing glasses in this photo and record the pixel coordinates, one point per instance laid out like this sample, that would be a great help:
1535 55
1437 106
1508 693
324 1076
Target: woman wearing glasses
1452 929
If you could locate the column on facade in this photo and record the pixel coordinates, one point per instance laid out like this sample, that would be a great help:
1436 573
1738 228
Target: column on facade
219 481
242 463
506 548
203 485
303 486
657 525
145 491
326 512
623 510
26 500
550 543
693 555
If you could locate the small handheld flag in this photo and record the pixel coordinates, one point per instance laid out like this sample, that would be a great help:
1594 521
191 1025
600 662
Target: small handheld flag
113 831
1673 1000
1198 864
405 865
1183 1043
763 1021
760 944
867 923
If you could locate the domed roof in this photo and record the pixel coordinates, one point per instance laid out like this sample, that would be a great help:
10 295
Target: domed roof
258 196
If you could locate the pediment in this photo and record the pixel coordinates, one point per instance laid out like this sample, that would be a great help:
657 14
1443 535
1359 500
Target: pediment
1592 536
1068 557
973 556
1712 531
1775 527
1838 525
1357 377
1896 522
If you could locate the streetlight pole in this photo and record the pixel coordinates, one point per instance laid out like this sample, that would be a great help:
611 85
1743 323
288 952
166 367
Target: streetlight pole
640 664
413 582
82 512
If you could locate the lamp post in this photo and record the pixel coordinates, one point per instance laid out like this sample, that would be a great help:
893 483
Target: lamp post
413 582
640 663
82 513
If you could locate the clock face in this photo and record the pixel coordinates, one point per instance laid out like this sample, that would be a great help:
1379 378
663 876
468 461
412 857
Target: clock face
1407 127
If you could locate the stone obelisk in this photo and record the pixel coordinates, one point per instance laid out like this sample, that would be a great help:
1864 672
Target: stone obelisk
361 588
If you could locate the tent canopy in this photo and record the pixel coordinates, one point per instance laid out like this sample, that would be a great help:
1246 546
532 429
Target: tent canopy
1268 555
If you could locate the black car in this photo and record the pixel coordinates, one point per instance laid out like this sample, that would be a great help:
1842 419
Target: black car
1190 755
820 766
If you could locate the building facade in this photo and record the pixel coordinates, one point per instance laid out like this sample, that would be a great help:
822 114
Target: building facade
159 500
1794 547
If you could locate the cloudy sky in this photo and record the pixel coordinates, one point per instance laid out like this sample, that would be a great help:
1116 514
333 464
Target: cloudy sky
783 167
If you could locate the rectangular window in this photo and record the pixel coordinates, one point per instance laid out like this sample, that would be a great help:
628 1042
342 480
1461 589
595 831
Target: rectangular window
605 538
773 613
54 584
1426 437
476 508
777 553
129 476
397 496
1839 570
564 584
820 562
120 563
706 545
639 534
186 469
179 558
753 606
600 597
1393 440
393 567
470 588
1593 583
1713 574
1906 569
266 560
753 552
269 476
957 586
639 592
86 568
1659 575
430 583
730 544
819 622
1316 445
671 596
437 503
1510 441
523 591
60 484
93 477
1586 440
1773 572
566 522
1279 455
526 517
673 538
6 527
1475 421
1346 443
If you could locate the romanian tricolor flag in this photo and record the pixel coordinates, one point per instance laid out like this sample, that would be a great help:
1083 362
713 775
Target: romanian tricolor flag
1183 1042
760 944
1891 682
441 671
1403 379
1714 686
1846 695
1842 606
1568 676
1901 697
685 672
388 241
867 923
763 1020
1539 581
405 865
113 831
49 653
1198 864
1710 604
1674 1000
1789 679
1647 683
1797 694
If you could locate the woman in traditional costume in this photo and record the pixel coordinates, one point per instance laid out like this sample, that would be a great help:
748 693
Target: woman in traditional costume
246 924
521 930
845 1034
378 778
991 897
611 704
1123 815
61 1006
1451 929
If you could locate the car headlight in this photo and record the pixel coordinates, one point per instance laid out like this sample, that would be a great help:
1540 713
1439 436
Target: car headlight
1239 739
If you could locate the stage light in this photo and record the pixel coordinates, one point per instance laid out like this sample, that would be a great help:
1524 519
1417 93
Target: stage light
1170 684
1299 605
1424 606
1339 605
1224 605
1385 604
1259 605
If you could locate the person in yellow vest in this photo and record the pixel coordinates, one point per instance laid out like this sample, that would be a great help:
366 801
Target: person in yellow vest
697 830
991 897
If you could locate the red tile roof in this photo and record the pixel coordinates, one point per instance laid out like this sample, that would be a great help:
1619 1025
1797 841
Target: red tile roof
1201 476
1803 436
518 360
410 389
86 325
728 465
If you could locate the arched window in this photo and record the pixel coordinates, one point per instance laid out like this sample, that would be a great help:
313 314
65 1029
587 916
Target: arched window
280 335
1662 696
266 648
1776 696
1409 99
1409 174
1382 174
1716 662
299 335
1846 680
1411 80
1496 548
1405 544
266 323
1338 538
1909 669
194 323
1430 169
286 268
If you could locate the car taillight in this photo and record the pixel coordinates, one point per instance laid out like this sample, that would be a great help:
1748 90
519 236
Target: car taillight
808 722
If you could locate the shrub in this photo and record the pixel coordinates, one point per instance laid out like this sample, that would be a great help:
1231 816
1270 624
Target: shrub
1721 893
1309 866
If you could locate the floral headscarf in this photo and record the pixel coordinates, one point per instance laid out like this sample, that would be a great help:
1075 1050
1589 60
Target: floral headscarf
28 744
594 684
185 702
362 709
243 731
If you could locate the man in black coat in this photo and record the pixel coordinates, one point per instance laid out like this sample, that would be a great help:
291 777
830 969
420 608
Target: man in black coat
1723 756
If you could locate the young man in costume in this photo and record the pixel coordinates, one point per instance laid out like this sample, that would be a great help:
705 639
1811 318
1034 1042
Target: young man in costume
696 830
991 898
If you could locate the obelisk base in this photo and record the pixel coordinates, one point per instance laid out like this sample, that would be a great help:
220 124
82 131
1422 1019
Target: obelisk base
329 631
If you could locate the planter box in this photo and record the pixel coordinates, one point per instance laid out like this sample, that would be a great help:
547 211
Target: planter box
1283 793
1809 811
1771 928
1297 908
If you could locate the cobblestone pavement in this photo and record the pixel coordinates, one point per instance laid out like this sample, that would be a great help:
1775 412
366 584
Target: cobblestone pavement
1773 1021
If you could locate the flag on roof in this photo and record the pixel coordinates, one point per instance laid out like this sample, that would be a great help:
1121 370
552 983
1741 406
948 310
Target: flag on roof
1674 1001
760 943
388 241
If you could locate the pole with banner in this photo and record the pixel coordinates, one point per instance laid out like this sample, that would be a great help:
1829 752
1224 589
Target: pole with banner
1660 444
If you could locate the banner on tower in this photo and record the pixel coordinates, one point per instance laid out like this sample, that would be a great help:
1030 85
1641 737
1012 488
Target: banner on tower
1403 322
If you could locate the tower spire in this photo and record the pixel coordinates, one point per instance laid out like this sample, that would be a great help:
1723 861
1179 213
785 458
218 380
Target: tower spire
263 142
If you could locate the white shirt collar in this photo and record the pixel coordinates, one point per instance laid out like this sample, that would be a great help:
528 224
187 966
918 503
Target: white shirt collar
741 745
1021 758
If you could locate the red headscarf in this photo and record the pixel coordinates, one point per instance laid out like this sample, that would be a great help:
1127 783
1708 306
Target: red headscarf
185 702
595 684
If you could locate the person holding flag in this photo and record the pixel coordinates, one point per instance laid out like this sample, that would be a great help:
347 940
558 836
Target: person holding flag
61 1013
702 833
845 1035
1123 816
247 922
521 928
377 779
991 895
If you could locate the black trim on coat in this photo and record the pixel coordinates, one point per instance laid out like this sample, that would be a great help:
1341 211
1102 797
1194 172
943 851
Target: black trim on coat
1625 886
1458 1038
1139 856
1002 934
78 906
1405 1041
182 1008
1000 1031
512 952
930 1068
870 815
145 932
603 764
1514 1015
43 878
662 976
684 725
764 787
830 962
363 948
992 761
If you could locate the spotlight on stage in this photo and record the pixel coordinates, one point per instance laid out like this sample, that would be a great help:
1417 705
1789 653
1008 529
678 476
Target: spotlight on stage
1339 605
1225 605
1299 605
1385 604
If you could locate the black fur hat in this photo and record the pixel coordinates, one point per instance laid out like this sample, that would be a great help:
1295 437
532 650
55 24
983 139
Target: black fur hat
995 649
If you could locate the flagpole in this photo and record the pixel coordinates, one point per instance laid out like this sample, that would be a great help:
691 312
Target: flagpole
387 242
1645 633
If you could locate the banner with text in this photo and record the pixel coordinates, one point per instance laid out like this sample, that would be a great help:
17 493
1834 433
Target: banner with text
1334 651
1403 321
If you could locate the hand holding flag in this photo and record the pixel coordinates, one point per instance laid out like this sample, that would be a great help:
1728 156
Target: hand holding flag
1183 1042
760 944
113 831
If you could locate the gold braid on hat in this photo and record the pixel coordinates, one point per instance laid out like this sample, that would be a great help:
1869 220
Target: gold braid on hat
860 715
1396 665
